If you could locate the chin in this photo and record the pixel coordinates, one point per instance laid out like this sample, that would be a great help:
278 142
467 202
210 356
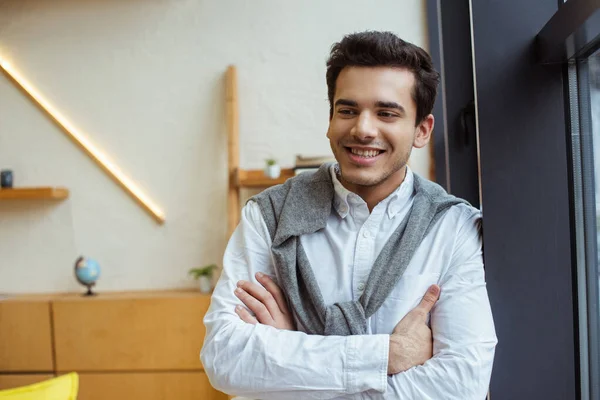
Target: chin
356 176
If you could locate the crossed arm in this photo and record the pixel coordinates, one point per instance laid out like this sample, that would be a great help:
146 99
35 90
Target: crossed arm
258 360
410 344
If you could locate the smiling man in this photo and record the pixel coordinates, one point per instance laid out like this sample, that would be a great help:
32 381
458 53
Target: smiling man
362 280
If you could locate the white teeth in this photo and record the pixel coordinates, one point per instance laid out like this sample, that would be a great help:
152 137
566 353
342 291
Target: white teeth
365 153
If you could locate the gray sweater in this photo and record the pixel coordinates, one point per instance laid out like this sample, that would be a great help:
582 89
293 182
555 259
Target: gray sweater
302 206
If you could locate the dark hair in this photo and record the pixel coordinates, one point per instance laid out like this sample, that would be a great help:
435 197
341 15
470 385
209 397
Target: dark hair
375 49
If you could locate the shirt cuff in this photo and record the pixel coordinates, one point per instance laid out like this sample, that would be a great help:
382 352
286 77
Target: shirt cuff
366 363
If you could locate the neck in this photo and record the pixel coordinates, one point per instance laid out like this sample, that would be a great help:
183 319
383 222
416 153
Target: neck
373 194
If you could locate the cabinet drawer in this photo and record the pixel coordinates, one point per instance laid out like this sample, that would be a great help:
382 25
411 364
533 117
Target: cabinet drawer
11 381
147 386
25 336
129 333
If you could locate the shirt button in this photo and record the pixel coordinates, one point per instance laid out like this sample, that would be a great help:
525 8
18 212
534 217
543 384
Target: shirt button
361 286
366 234
343 209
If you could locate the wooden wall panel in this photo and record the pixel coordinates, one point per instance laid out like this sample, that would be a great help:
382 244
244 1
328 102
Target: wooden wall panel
147 386
25 336
130 331
11 381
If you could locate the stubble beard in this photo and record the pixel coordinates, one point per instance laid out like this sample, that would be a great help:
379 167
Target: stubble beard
376 180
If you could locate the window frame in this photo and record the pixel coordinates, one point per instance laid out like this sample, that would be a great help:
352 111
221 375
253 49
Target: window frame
570 37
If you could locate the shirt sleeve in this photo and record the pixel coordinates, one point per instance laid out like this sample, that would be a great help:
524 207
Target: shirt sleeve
259 361
464 337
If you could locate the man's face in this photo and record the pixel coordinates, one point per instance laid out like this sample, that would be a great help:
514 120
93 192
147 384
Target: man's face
372 130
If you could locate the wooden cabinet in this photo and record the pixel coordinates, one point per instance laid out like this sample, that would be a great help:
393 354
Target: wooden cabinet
123 345
25 336
9 381
147 386
162 331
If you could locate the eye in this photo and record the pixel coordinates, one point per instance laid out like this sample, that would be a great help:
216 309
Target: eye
386 114
346 111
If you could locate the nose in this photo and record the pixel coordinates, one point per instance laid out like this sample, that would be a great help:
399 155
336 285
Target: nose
365 128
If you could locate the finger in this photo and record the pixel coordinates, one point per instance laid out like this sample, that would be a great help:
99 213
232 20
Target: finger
245 315
258 308
274 289
428 301
261 294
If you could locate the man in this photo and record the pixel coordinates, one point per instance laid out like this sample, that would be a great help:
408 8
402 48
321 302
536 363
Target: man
378 287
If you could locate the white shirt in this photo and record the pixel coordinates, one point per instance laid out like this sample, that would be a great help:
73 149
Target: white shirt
260 361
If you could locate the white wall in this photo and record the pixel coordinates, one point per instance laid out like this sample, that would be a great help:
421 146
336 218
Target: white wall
144 80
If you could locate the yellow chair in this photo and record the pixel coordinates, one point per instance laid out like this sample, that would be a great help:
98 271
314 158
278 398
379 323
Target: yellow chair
64 387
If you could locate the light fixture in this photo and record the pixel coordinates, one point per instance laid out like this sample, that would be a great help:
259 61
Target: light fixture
80 139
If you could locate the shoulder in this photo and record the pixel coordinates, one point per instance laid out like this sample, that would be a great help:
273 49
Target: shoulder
252 214
460 221
463 215
465 211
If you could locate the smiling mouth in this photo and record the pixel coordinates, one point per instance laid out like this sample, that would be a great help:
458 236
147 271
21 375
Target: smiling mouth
365 153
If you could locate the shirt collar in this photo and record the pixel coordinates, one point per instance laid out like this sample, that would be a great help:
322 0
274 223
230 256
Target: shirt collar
344 199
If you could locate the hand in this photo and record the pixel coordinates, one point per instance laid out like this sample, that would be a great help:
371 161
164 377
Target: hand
411 342
266 302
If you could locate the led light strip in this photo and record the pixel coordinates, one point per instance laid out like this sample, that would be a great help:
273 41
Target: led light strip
100 158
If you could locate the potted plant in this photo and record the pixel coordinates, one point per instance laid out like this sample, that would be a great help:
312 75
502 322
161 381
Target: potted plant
204 277
272 169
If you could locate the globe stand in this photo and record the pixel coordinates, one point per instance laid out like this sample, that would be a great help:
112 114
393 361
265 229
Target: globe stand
89 291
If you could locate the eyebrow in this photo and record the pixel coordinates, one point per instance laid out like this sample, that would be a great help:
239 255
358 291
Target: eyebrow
378 104
345 102
390 104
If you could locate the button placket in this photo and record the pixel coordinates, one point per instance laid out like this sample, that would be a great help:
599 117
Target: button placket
366 248
364 260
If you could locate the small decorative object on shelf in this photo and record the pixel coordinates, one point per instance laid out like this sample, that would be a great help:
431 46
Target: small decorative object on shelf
87 272
6 178
272 169
204 277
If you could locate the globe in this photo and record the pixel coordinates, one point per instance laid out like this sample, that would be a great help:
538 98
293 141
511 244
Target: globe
87 272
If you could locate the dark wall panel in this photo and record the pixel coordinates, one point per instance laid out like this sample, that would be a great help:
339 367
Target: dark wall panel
525 192
454 137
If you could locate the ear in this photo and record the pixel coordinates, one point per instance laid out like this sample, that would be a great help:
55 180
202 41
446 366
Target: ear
423 131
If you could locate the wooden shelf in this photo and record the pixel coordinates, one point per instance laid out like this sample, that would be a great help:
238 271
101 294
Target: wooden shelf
34 193
255 178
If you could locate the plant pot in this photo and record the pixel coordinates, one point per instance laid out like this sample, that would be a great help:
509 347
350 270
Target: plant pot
273 171
204 284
